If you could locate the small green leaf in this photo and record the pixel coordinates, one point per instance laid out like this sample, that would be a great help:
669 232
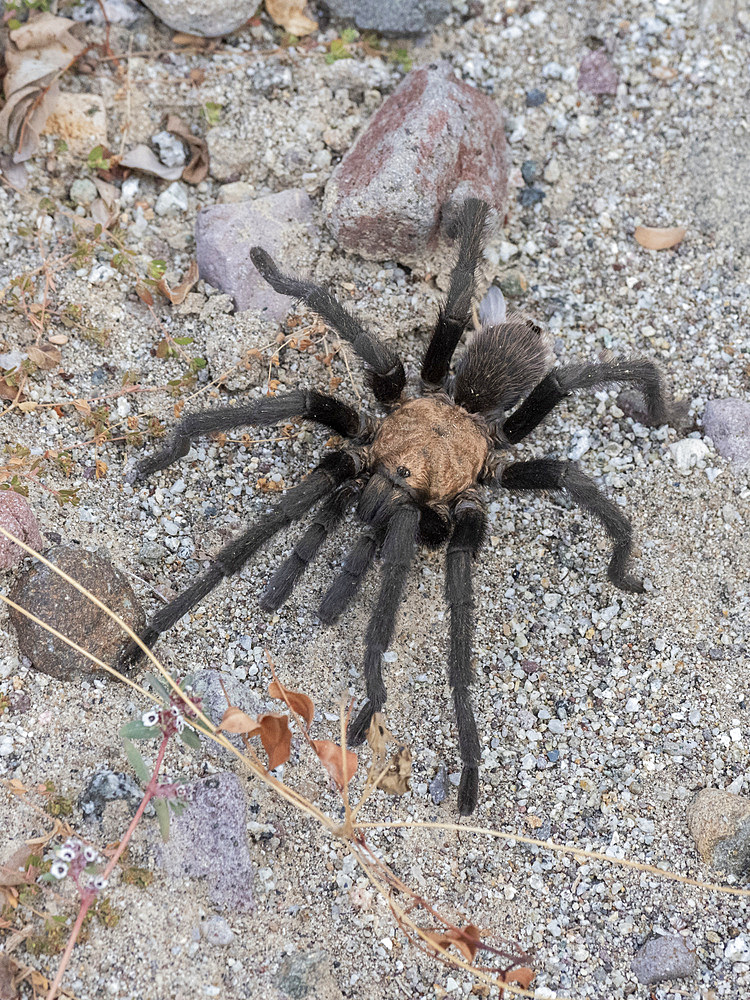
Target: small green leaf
182 341
137 762
135 730
14 23
162 812
156 269
349 35
157 685
212 112
190 738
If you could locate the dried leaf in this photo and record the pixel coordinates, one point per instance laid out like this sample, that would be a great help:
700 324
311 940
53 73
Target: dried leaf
523 976
466 939
234 720
14 870
8 971
35 56
276 738
289 15
332 760
9 392
653 238
178 294
296 700
46 356
395 781
143 158
197 167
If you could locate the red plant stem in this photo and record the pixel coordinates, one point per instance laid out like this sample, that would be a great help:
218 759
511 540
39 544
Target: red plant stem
87 897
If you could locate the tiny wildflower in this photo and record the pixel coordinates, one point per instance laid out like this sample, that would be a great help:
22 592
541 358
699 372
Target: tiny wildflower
90 854
67 852
151 718
59 869
98 883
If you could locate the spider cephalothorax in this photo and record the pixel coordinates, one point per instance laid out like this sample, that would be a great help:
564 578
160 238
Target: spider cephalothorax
420 473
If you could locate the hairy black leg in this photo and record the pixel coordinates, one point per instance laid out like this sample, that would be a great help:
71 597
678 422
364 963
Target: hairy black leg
399 547
563 381
345 586
454 316
329 474
468 534
308 404
548 474
384 372
286 577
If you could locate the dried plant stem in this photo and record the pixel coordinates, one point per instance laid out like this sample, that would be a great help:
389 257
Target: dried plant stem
549 845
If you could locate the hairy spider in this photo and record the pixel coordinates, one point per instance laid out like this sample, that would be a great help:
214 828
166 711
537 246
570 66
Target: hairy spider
420 473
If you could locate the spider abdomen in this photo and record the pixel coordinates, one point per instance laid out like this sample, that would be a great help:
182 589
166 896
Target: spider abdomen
431 447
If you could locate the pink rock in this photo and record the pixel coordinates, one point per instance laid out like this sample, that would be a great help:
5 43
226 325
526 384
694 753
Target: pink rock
435 140
596 74
16 517
225 233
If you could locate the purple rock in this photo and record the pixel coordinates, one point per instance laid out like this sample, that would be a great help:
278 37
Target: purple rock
17 518
436 140
596 74
727 423
225 233
661 958
208 840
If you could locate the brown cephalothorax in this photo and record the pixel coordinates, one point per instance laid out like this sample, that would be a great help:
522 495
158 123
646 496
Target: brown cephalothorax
420 473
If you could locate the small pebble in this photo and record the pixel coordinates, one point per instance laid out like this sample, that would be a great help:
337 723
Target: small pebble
83 192
664 957
535 98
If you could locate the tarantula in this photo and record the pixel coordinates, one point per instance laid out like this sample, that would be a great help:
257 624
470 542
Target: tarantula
420 473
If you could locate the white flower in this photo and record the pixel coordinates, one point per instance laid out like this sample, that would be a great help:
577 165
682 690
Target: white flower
150 718
98 883
179 722
175 711
59 869
67 852
90 854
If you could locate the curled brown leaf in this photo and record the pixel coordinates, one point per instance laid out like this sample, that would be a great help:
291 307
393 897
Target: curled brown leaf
296 700
465 939
234 720
276 738
178 294
391 774
196 169
332 759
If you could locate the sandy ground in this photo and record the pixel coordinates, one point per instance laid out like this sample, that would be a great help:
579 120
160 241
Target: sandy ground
647 693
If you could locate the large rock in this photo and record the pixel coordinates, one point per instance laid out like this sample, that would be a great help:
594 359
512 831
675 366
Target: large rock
56 602
392 17
727 423
16 517
433 143
719 822
209 18
225 233
209 840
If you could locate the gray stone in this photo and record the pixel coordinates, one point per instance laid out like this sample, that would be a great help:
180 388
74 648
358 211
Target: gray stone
727 423
173 201
435 142
108 786
719 823
299 974
209 18
171 149
661 958
216 930
83 191
438 791
208 685
209 840
56 602
151 551
225 233
392 17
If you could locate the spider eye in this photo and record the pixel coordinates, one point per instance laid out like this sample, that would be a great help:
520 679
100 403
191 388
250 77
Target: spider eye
403 472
